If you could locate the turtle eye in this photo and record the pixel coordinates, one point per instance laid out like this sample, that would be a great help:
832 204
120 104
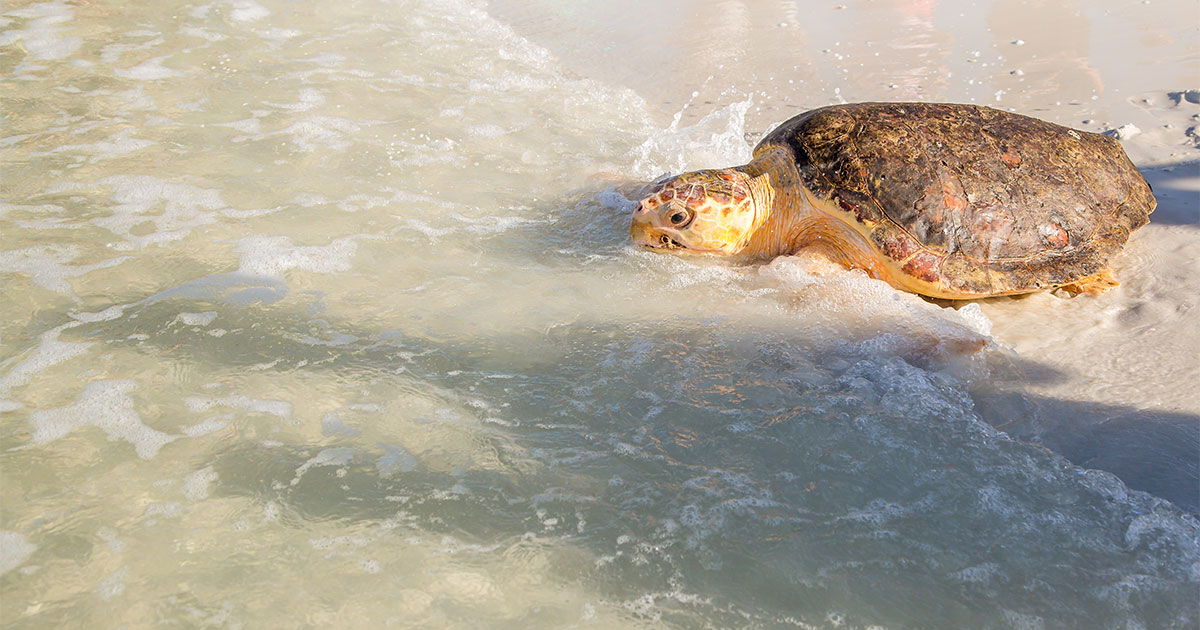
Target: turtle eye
681 218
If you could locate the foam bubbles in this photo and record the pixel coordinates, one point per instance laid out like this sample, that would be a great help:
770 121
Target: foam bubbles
113 584
327 457
196 319
333 425
14 549
396 459
42 35
50 351
900 323
106 315
107 406
196 485
210 425
272 256
279 408
45 265
247 11
120 143
151 70
173 208
717 141
308 99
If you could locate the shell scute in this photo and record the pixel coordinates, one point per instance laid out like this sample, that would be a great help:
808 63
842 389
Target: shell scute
924 266
973 187
895 244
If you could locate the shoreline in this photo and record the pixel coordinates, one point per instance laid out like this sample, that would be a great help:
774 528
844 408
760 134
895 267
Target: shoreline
1046 67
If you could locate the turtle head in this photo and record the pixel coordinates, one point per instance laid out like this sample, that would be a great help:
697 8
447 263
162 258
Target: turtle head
710 211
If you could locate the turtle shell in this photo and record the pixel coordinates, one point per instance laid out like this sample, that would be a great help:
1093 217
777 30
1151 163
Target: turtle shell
971 199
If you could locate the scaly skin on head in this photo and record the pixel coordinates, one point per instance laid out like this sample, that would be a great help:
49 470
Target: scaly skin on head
713 211
756 211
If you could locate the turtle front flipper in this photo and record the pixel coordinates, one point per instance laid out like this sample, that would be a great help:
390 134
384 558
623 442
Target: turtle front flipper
1094 284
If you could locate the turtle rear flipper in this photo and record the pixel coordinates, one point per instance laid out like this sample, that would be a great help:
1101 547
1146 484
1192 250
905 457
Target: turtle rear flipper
1094 284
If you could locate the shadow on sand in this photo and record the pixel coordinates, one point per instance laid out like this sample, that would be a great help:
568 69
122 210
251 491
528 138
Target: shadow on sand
1154 451
1178 202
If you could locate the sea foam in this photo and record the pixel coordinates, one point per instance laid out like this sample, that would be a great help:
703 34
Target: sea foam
272 256
42 35
14 549
107 406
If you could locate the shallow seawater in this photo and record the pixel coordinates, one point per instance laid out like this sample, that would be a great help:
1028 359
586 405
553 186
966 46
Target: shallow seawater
324 315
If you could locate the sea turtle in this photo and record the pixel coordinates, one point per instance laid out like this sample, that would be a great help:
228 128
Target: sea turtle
948 201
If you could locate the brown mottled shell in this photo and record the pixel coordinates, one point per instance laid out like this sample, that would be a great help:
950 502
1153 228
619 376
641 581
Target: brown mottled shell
977 200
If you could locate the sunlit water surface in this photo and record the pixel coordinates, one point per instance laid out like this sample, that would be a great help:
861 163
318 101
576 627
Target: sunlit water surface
323 314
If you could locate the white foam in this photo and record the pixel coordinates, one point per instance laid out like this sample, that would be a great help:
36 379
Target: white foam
245 125
396 459
202 33
42 35
210 425
272 256
111 53
486 131
151 70
327 457
196 485
493 224
309 98
119 143
109 536
468 586
972 316
901 323
280 408
512 46
277 34
247 11
107 315
14 549
44 264
317 132
113 584
717 141
105 405
136 99
1022 621
311 133
50 352
980 573
355 203
332 425
7 208
183 207
196 319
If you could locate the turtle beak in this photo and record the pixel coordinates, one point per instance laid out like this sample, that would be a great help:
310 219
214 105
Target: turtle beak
642 233
640 228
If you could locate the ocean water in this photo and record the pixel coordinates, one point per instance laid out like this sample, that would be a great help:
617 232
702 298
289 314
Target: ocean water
325 315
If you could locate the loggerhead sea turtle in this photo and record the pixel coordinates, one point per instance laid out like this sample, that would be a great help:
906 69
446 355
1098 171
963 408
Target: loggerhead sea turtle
948 201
